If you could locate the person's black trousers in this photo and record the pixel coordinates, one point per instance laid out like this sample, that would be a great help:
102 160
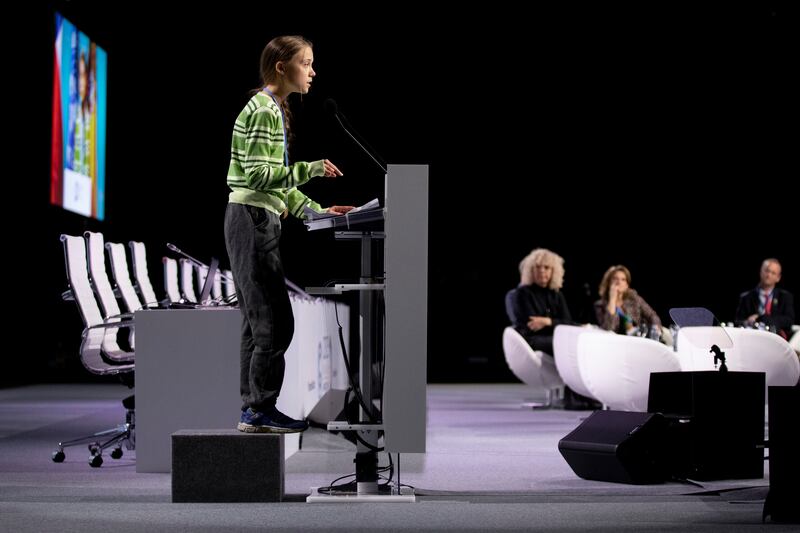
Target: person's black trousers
252 235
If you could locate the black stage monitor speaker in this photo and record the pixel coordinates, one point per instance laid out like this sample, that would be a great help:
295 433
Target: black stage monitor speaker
715 421
618 446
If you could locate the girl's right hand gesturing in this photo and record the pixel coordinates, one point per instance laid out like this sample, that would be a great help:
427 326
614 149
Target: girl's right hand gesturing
331 170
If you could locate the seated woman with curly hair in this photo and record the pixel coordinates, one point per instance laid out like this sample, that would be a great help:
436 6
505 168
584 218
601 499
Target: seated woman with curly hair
537 305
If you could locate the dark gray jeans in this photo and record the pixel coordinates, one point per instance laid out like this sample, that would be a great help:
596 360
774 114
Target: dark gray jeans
251 237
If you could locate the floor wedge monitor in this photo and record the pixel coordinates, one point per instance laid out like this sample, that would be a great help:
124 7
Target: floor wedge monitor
618 446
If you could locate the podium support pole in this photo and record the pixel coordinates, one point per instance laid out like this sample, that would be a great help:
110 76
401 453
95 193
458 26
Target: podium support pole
366 457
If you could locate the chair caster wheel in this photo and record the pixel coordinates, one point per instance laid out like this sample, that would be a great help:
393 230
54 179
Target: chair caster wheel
58 456
116 453
95 461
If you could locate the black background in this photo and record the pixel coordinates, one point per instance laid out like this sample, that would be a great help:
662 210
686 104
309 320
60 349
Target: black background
663 138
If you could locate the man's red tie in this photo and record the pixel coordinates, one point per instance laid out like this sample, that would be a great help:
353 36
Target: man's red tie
768 305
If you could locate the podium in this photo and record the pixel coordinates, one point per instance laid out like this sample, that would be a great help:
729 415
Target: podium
394 342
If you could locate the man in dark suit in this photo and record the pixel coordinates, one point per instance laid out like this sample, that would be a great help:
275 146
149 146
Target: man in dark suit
767 303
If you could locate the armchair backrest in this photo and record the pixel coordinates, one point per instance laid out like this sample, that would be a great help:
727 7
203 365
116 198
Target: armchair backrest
532 367
140 273
187 280
95 249
752 350
230 287
102 288
94 333
616 368
216 289
509 301
171 286
122 277
565 353
794 340
78 279
200 279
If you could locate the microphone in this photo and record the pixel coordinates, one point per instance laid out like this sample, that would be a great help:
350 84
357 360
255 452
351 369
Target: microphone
331 107
195 261
289 284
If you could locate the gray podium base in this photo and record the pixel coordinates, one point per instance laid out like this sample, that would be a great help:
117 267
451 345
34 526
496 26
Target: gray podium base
407 496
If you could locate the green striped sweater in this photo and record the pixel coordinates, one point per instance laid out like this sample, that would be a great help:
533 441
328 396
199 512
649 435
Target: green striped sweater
257 174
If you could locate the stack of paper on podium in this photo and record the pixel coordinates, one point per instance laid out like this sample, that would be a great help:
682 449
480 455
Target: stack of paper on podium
369 206
369 212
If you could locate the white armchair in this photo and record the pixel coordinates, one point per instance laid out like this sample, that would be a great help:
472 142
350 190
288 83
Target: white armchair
565 353
752 350
616 368
794 340
534 368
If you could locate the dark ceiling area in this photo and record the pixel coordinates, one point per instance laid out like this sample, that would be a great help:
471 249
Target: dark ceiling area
661 138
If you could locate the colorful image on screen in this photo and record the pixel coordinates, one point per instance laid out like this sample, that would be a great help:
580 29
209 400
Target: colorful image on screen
77 167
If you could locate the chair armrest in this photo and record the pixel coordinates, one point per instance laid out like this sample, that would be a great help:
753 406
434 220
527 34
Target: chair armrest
121 316
126 321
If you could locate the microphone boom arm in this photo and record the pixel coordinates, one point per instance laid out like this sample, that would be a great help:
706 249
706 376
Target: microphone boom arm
339 120
195 261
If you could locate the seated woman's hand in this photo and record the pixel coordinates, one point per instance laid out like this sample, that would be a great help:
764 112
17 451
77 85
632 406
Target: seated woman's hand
535 323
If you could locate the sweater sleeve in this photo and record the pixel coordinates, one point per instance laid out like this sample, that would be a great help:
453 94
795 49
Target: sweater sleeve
648 314
263 162
296 202
605 320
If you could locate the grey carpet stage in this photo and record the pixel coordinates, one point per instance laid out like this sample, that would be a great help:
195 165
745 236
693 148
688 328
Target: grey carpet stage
491 465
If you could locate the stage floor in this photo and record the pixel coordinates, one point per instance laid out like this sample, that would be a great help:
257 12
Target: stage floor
491 464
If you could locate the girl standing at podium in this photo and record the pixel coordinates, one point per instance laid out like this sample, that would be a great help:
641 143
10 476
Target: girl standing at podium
263 187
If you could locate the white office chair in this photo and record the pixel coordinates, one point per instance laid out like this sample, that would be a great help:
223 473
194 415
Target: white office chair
201 271
93 356
752 350
187 280
105 294
171 286
616 368
565 353
141 275
122 276
534 368
230 287
216 289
